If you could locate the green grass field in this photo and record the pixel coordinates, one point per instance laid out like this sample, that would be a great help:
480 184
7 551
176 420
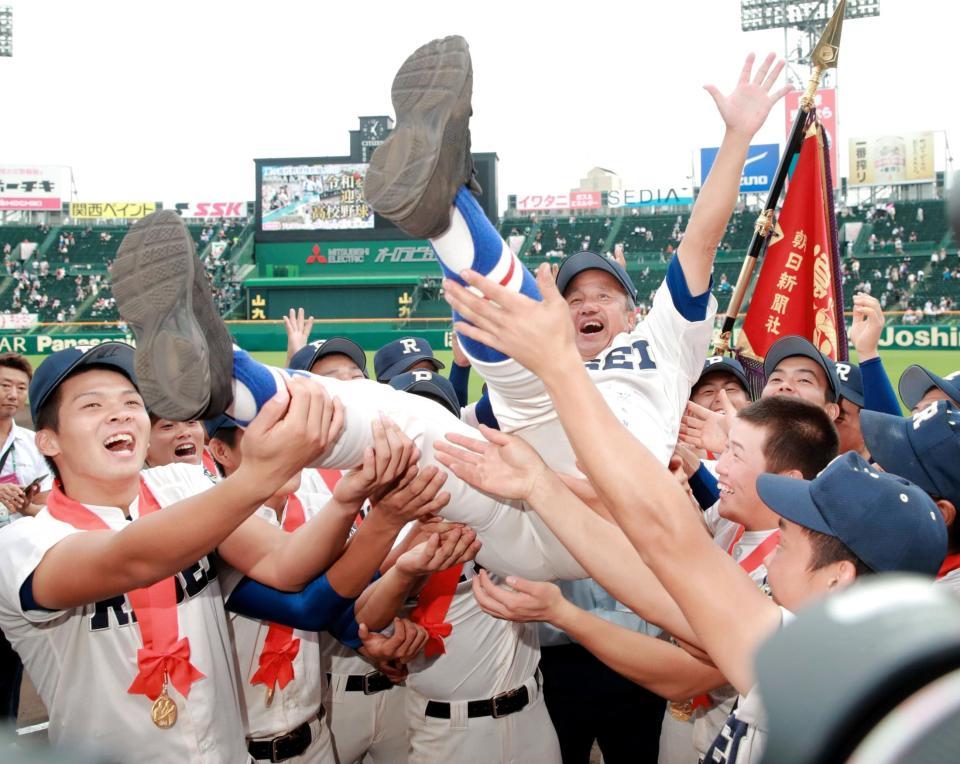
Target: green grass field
938 361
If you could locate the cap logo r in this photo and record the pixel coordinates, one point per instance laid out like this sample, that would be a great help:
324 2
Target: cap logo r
843 371
420 375
922 416
409 346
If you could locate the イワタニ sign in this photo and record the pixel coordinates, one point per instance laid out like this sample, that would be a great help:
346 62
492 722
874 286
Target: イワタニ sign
758 170
575 200
892 159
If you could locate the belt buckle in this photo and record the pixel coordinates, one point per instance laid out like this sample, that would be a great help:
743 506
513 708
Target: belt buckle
274 753
497 698
367 678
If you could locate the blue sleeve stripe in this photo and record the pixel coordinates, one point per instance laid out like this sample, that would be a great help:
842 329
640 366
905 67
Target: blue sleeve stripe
692 308
704 487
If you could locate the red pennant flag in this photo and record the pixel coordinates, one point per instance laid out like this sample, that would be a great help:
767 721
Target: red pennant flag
798 290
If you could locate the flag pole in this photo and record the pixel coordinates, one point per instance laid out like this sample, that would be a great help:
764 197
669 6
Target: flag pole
824 57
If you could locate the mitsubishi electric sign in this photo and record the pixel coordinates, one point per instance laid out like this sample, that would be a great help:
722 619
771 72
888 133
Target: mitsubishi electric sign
758 170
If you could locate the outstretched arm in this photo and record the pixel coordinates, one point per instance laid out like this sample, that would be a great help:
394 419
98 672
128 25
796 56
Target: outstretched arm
743 111
659 666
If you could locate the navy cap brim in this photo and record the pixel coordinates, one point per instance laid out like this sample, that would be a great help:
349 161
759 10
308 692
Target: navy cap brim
114 355
790 498
406 363
431 390
789 347
725 369
585 260
887 438
222 422
307 356
916 382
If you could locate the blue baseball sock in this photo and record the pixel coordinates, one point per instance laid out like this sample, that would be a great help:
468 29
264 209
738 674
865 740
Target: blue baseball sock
473 242
253 385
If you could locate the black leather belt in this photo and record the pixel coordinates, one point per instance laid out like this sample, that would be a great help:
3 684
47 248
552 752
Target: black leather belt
286 746
504 704
368 684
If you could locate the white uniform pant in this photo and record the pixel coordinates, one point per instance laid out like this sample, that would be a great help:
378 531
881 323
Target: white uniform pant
320 750
525 737
676 741
515 540
369 728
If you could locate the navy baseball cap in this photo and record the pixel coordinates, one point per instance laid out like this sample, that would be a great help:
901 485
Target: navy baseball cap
924 448
220 422
794 345
398 356
312 352
851 382
916 381
726 364
886 521
429 385
60 365
591 261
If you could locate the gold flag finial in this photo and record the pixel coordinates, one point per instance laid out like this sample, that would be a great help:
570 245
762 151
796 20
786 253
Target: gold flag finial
825 54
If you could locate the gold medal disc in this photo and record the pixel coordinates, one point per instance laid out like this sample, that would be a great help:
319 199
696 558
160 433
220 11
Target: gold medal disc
681 711
164 711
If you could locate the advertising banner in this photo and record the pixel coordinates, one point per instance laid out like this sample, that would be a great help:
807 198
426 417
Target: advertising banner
575 200
891 159
650 197
111 210
758 170
37 188
211 209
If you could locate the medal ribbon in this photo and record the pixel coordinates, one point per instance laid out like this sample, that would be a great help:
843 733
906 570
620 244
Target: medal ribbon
432 608
952 562
163 655
280 647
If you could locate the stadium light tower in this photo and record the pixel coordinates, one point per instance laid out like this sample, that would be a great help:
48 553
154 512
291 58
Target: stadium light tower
805 19
6 30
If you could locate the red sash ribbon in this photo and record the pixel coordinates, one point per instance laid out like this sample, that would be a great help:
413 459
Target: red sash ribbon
434 603
951 563
280 647
163 655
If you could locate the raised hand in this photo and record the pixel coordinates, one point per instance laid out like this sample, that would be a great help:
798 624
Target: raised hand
537 334
439 552
746 108
401 647
390 461
298 331
867 326
702 428
529 600
503 465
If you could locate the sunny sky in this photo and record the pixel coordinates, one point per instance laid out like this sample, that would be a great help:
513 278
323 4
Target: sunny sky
172 100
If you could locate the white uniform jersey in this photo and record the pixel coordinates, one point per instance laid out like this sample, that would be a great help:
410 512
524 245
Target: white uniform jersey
83 660
23 465
484 655
743 737
301 699
708 723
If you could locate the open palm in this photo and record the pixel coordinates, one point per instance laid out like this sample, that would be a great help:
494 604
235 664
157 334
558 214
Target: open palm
746 108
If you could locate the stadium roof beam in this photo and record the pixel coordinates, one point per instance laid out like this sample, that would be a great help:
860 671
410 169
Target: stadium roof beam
806 17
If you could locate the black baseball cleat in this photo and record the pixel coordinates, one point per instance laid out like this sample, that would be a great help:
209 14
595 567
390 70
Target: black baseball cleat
414 176
184 354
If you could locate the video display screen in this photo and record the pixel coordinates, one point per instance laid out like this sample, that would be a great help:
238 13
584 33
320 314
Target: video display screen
313 197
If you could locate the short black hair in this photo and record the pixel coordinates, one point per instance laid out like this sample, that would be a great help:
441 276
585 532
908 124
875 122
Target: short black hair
799 435
227 435
18 362
829 549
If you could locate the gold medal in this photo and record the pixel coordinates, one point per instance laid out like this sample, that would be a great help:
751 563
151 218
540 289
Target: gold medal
164 710
681 711
269 696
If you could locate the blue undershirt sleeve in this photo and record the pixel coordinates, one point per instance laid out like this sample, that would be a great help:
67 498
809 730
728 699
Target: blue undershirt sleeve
484 413
692 308
460 379
878 392
704 487
314 608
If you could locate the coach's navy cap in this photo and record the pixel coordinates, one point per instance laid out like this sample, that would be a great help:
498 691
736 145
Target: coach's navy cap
398 356
794 345
916 381
885 520
726 364
312 352
591 261
60 365
924 448
851 382
429 385
220 422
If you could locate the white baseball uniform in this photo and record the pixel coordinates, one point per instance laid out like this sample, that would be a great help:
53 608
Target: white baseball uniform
645 376
83 660
484 656
23 465
301 699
